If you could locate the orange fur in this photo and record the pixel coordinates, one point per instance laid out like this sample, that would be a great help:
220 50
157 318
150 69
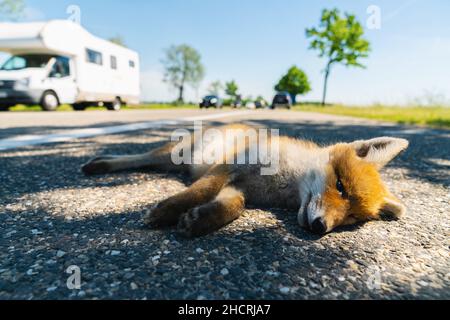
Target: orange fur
365 191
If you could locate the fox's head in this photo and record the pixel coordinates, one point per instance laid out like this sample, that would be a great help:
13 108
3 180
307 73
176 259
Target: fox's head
346 187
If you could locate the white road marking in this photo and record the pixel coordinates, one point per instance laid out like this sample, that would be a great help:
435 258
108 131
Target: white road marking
30 140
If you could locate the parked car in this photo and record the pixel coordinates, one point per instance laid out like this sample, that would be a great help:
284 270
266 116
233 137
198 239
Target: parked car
260 103
237 103
47 69
282 100
211 102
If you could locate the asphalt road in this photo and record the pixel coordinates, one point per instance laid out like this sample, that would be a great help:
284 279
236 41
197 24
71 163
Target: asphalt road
52 217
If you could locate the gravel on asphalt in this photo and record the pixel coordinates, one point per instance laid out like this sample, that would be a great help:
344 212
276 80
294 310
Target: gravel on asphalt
52 217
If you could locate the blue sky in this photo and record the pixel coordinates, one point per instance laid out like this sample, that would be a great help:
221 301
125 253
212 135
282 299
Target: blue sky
256 41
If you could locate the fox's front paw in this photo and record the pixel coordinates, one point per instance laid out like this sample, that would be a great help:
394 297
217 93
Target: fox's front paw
187 223
196 223
152 216
159 216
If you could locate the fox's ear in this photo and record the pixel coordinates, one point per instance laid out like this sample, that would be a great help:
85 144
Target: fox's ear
379 151
392 208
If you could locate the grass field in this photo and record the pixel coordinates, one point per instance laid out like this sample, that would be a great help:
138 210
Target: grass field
438 117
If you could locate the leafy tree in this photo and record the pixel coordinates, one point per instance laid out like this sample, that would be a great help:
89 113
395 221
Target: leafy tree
215 88
231 89
295 81
183 67
340 40
11 9
119 40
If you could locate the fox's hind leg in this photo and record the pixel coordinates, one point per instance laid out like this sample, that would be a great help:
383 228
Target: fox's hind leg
167 212
159 158
207 218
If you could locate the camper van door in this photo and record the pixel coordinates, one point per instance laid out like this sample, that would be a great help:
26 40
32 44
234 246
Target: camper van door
62 80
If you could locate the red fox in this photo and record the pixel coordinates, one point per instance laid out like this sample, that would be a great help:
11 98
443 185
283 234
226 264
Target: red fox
326 186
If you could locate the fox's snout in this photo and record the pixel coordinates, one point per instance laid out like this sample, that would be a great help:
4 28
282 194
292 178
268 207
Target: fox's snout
319 226
310 216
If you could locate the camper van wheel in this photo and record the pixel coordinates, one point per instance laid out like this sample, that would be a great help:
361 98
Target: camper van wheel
49 101
116 105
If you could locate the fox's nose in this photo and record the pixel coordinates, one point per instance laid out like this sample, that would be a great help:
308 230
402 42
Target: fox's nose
318 226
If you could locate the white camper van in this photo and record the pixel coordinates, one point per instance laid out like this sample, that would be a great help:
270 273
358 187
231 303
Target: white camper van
59 62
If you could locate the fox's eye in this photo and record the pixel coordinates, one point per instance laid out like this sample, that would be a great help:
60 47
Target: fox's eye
340 188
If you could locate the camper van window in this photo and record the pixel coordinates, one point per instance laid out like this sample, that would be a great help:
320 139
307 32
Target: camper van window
113 63
20 62
94 57
132 64
61 68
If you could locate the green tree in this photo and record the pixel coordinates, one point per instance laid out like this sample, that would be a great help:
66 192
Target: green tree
231 89
215 88
11 9
295 81
119 40
339 39
183 67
